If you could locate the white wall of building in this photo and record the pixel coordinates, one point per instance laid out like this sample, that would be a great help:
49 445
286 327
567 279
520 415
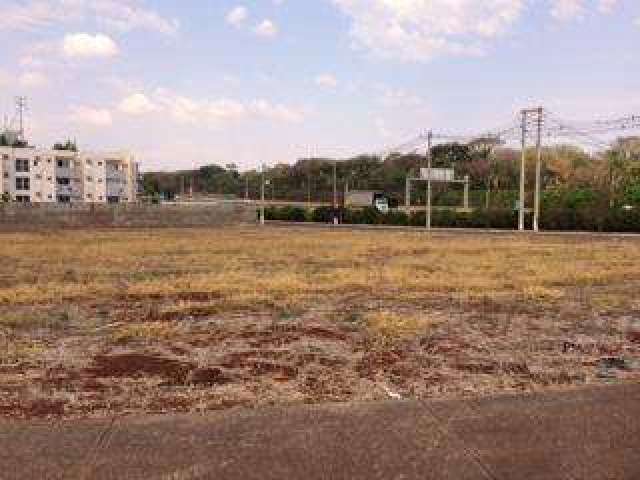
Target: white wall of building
41 176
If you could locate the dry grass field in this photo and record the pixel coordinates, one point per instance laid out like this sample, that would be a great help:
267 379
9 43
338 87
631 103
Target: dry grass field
94 323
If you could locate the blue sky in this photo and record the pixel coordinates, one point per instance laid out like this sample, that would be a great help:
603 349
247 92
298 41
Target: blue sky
214 81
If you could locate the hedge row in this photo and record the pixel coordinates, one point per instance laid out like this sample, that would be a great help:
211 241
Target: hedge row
610 220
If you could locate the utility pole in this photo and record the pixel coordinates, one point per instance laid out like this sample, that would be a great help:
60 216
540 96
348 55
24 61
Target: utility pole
335 192
489 158
309 163
246 187
465 201
536 207
21 105
262 180
407 192
522 171
429 141
309 187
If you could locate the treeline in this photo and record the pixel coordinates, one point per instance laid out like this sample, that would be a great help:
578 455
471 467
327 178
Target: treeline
572 178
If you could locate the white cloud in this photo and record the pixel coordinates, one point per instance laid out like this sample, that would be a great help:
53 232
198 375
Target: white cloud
85 45
264 108
607 6
121 15
137 104
237 16
381 128
326 80
33 80
418 30
566 10
266 28
5 79
118 15
89 116
209 112
399 97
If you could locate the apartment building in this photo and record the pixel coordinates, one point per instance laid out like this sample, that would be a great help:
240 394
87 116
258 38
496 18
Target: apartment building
32 175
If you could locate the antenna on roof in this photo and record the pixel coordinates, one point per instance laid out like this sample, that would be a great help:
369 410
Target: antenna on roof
21 106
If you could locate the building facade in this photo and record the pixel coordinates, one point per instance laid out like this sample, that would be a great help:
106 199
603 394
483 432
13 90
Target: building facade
31 175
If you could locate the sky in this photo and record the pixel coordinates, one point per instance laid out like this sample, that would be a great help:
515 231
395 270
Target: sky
195 82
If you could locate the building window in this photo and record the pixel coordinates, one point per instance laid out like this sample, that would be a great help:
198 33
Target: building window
22 165
63 181
99 164
99 180
48 179
100 198
50 196
6 175
36 162
64 199
5 157
39 194
38 176
89 161
89 196
48 160
22 183
89 179
23 198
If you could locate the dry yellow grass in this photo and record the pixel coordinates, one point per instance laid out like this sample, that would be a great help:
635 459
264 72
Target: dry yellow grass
395 325
122 321
145 331
289 269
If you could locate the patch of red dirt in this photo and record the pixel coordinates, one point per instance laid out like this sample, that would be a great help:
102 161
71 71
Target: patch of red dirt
378 361
139 364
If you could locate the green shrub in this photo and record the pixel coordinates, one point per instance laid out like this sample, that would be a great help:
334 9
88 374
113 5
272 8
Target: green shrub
588 217
322 215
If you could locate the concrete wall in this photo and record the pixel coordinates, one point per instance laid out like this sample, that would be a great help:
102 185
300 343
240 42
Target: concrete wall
38 216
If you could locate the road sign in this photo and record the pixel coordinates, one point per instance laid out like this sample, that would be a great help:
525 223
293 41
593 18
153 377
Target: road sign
438 174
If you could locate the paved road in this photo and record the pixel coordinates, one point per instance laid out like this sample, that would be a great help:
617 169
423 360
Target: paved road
449 231
585 434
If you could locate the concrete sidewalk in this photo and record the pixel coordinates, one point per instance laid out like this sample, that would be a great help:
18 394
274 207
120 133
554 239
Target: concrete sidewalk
591 433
